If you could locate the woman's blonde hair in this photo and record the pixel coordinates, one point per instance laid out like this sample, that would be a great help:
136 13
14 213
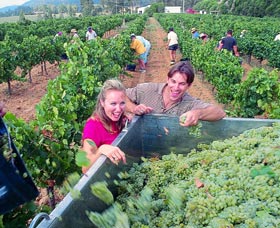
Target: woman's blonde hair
99 112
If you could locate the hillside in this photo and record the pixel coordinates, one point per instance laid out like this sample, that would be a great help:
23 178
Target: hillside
7 8
255 8
33 3
36 3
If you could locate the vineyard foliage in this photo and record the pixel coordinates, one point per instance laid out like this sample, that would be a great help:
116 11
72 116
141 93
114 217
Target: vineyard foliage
223 70
52 136
50 142
258 93
25 46
254 8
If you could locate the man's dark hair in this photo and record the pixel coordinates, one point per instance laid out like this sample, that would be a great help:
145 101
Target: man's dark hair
171 29
229 32
183 67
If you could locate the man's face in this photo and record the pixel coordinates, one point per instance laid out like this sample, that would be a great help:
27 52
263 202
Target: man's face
177 85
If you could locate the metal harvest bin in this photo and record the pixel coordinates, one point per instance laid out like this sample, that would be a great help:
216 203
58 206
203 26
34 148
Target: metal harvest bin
149 135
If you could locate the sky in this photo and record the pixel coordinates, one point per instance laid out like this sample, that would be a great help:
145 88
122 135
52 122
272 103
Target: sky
4 3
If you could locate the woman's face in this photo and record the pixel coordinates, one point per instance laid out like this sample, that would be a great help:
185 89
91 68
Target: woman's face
114 104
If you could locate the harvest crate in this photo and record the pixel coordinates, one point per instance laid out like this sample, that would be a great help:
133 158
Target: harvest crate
150 135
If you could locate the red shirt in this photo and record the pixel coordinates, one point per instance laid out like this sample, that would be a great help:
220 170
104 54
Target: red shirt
95 131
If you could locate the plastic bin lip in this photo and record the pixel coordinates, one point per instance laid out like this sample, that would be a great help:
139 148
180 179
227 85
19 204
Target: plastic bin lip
125 131
225 118
250 119
3 192
135 118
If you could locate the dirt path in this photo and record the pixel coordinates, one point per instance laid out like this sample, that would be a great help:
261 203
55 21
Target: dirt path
158 64
26 95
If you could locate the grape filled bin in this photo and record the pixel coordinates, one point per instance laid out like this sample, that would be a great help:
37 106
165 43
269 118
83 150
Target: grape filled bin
147 136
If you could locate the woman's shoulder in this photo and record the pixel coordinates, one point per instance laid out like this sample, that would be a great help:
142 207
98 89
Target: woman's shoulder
93 121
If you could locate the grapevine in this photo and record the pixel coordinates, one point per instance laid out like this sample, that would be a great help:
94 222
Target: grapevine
192 130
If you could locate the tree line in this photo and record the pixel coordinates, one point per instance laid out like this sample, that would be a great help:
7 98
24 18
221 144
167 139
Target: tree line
255 8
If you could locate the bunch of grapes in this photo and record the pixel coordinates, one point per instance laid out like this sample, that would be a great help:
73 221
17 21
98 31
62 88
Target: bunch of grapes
230 183
4 147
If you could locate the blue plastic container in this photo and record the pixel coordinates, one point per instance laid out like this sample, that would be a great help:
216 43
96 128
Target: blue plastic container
16 185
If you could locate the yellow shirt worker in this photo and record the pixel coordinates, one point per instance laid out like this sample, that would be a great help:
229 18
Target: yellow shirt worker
139 48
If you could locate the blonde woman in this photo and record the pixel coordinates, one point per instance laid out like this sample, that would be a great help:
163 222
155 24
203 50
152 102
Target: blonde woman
105 124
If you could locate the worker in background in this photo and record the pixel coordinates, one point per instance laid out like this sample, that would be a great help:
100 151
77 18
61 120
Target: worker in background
140 50
195 33
90 34
229 43
277 37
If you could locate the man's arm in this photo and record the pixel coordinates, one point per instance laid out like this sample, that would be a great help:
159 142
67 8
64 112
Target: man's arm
140 109
220 46
210 113
235 50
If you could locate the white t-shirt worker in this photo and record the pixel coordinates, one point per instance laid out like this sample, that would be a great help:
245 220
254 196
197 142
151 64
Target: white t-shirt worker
172 45
172 37
90 34
277 37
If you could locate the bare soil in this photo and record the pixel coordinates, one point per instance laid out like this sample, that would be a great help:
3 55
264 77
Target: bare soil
26 95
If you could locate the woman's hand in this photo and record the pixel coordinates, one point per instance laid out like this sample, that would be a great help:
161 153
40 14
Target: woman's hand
93 153
113 153
142 109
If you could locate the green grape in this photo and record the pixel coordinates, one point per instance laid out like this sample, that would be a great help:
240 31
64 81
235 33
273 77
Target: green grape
100 190
4 147
195 130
